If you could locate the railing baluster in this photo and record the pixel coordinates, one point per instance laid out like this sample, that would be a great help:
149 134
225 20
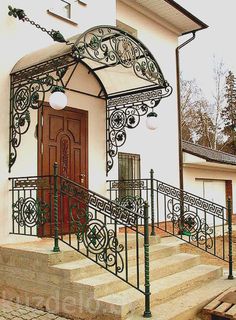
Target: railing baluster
137 252
70 211
126 256
147 311
116 239
55 191
63 201
153 233
50 206
157 205
214 228
165 212
223 239
229 205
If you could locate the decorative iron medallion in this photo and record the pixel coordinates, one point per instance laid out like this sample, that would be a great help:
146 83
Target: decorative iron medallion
190 223
101 242
132 203
30 212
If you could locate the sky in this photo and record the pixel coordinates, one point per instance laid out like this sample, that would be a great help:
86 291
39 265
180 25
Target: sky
219 40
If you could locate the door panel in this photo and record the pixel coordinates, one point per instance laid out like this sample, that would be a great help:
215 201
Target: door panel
63 138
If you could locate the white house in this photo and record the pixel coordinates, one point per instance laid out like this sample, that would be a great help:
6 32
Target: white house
114 65
157 24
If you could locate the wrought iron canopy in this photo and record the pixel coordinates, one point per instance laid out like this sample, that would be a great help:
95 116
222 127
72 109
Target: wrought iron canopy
105 51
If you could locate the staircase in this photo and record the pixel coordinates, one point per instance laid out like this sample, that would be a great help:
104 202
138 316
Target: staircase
98 263
69 284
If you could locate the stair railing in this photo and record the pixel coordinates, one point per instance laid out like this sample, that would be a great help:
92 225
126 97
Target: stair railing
100 229
184 215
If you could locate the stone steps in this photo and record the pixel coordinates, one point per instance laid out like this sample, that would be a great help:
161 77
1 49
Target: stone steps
189 305
162 289
85 290
106 283
79 269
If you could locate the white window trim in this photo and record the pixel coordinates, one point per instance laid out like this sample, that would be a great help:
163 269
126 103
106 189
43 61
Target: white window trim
54 12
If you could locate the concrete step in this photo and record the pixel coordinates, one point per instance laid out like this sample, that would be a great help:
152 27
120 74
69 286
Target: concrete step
126 302
36 255
105 284
189 305
75 270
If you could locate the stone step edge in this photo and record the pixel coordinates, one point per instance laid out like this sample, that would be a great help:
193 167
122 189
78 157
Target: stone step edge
136 299
188 306
89 283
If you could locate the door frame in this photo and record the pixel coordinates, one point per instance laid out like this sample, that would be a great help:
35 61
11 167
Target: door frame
39 136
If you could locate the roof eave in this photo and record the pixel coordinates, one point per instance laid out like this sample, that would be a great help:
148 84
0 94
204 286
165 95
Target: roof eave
208 159
202 25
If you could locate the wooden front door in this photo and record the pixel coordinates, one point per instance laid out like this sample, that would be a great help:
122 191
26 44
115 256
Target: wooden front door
63 138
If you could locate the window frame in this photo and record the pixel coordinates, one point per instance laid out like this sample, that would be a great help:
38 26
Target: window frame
134 173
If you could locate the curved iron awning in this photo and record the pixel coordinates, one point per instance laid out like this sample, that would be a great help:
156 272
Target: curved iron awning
128 73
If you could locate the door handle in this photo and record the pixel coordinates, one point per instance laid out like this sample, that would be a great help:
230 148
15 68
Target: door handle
82 177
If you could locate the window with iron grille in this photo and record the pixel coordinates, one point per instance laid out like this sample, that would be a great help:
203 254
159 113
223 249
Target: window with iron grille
128 169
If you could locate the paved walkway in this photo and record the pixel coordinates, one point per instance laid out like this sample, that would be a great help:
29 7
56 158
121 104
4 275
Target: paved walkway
14 311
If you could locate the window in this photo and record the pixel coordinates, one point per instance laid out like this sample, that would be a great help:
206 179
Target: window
128 169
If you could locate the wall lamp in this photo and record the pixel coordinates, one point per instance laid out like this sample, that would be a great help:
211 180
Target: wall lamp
58 99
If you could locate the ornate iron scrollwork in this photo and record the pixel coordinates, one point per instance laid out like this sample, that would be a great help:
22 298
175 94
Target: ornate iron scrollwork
100 241
192 200
125 113
132 203
190 223
25 96
30 212
107 46
107 207
111 46
128 184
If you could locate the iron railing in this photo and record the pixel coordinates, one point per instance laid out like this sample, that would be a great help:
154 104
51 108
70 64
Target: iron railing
191 218
54 206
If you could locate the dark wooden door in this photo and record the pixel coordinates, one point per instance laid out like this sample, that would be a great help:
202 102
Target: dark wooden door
63 138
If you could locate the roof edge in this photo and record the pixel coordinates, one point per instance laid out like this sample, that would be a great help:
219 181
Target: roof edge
205 157
188 14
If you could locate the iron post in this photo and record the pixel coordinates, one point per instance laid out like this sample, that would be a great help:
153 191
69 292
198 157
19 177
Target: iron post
55 194
229 205
147 312
153 233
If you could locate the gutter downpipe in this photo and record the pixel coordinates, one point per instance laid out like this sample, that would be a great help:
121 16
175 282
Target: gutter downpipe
181 179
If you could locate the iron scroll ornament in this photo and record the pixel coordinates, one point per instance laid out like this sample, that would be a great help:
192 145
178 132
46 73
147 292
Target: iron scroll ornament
105 45
101 243
111 47
25 96
127 115
30 212
191 224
